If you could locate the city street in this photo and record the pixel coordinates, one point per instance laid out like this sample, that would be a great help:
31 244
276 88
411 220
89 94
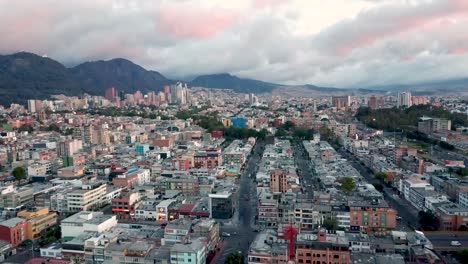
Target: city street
309 182
406 211
241 230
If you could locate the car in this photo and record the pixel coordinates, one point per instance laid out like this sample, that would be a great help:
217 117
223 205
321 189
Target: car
455 243
225 234
398 217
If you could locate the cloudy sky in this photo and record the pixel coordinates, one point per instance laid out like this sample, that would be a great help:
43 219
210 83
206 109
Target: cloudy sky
324 42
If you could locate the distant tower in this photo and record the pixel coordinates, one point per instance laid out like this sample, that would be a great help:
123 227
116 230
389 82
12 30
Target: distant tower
111 94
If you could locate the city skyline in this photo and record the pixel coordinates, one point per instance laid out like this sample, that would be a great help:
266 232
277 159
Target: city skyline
292 42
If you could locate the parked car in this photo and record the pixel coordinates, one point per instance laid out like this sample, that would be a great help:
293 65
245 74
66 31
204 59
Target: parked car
225 234
455 243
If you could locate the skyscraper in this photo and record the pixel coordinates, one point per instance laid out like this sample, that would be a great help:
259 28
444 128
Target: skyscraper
111 94
404 99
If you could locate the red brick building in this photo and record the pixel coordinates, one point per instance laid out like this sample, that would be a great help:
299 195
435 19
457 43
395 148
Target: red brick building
371 215
208 159
14 231
322 248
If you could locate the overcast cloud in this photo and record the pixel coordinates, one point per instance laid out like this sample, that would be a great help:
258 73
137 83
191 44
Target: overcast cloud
334 42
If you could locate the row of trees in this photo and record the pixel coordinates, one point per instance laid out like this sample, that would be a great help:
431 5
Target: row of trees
405 118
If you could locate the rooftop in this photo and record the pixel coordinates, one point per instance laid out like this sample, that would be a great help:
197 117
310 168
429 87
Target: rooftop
12 222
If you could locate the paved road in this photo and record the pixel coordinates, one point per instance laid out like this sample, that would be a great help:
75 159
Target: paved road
309 181
242 228
442 241
408 213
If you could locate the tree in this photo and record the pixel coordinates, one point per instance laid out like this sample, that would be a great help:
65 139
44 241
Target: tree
347 185
330 224
428 221
19 173
462 256
235 258
378 186
381 176
289 125
26 128
53 127
280 132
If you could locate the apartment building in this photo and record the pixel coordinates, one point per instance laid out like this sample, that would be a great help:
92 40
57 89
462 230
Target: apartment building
69 147
268 211
12 198
14 231
193 252
371 215
322 248
278 181
128 252
89 196
308 216
126 204
38 219
451 216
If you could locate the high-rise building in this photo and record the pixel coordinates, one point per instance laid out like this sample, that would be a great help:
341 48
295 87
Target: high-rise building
419 100
111 94
278 181
178 93
69 147
376 102
32 106
404 99
341 102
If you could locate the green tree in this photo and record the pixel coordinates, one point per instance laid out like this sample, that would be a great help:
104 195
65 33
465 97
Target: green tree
19 173
330 224
462 256
288 125
25 128
235 258
347 185
428 221
281 132
381 176
378 186
53 127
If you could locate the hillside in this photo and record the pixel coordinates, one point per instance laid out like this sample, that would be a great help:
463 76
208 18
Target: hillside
29 76
228 81
26 75
97 76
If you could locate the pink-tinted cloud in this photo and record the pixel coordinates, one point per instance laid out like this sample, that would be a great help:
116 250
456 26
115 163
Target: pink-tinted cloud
380 23
197 24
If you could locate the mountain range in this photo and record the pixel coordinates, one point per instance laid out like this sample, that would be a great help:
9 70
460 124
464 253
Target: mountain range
26 75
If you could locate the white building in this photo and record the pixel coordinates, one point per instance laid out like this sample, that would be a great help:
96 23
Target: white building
39 168
413 182
463 199
85 221
190 253
87 197
404 99
343 219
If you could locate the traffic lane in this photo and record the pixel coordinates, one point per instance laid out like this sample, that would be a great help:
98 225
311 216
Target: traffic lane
242 235
444 240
